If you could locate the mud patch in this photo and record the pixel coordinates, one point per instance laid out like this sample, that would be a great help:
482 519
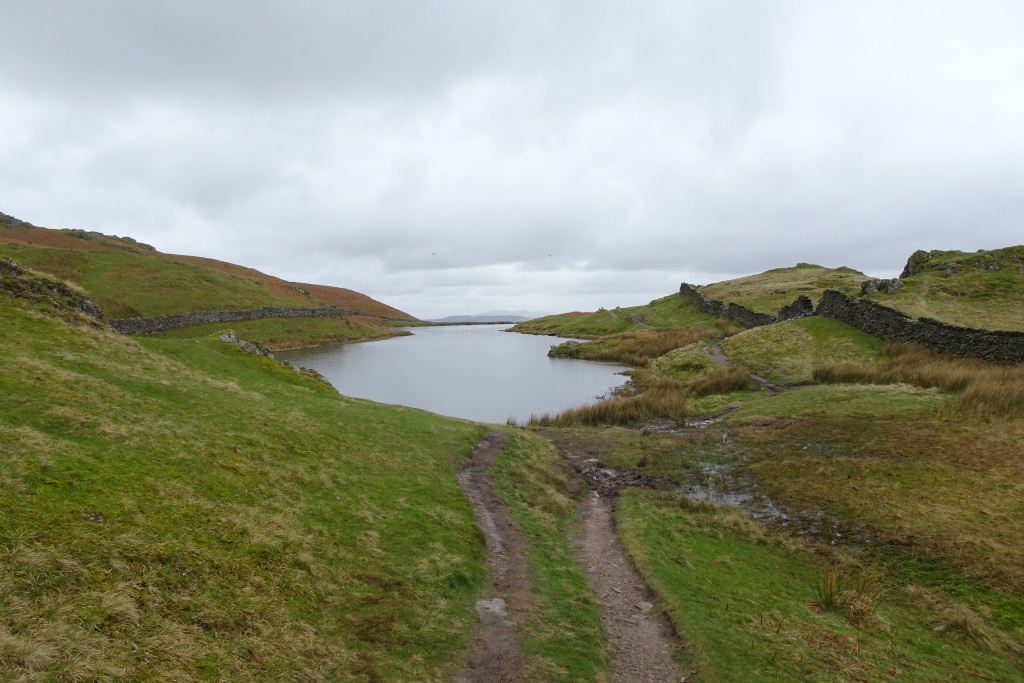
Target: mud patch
608 481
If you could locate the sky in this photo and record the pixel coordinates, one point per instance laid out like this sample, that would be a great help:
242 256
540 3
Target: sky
455 156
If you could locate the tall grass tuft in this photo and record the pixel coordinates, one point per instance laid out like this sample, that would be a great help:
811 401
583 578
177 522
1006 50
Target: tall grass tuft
622 410
732 378
985 389
853 596
995 395
638 347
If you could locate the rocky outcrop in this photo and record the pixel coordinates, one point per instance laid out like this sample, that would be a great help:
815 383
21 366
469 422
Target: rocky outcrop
179 320
12 222
888 286
23 283
948 264
230 337
892 325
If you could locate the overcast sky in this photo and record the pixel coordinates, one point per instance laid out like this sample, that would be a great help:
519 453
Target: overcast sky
457 156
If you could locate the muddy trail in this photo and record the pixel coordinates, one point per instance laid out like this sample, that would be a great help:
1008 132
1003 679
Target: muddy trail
641 639
497 656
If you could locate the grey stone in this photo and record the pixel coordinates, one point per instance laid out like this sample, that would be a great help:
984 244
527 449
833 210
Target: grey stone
493 607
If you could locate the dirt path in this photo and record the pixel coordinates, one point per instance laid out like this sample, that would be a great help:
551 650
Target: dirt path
641 641
714 352
497 656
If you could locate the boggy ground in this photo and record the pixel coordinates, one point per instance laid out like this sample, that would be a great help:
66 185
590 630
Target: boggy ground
868 562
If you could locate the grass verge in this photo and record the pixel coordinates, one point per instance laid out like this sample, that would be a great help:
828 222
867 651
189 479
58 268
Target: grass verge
281 334
177 509
746 601
636 348
564 637
985 389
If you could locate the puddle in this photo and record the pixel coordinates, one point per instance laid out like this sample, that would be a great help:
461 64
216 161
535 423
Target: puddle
725 487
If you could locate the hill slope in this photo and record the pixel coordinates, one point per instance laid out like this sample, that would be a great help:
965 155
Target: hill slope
126 278
670 312
769 291
984 289
182 510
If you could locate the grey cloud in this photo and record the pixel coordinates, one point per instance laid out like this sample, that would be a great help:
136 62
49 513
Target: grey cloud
413 149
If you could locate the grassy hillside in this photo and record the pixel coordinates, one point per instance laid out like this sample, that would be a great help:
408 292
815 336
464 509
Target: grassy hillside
773 289
983 289
670 312
127 279
280 334
790 351
181 510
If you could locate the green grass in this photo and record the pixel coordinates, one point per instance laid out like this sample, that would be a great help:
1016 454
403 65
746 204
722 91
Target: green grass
669 312
789 352
177 509
845 401
982 289
686 364
564 638
279 334
769 291
744 599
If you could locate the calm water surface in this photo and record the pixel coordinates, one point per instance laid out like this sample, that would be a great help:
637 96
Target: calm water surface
476 372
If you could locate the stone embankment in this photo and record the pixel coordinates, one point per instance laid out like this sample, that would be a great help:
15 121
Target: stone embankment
880 321
179 320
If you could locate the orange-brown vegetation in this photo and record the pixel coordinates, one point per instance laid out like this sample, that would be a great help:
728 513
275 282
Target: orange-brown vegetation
984 388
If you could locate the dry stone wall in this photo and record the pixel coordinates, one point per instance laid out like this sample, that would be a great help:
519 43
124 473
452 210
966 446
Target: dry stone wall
881 321
800 308
892 325
179 320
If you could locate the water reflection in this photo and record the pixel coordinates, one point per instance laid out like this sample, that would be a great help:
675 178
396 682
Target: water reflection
476 372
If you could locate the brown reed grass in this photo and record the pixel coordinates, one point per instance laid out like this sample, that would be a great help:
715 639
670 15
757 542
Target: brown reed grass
623 410
985 389
638 347
732 378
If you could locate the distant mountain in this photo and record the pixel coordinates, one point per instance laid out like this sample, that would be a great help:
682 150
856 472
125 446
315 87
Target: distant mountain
492 317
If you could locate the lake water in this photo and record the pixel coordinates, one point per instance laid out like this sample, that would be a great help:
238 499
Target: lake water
477 372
